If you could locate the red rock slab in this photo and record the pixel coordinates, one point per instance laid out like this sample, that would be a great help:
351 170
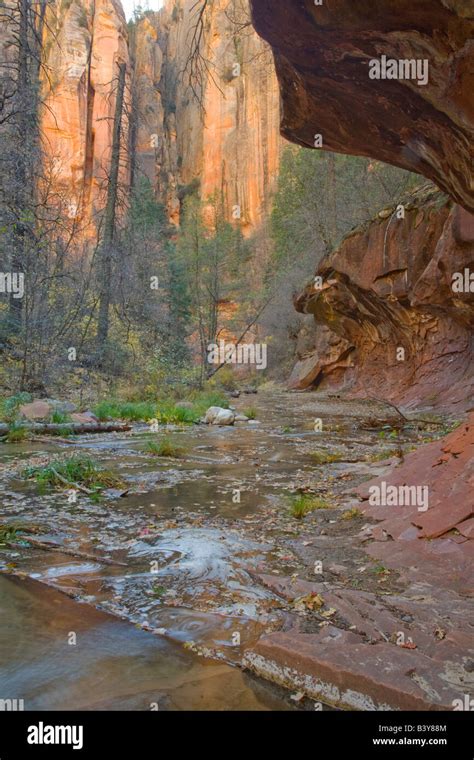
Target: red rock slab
398 523
364 667
441 521
458 539
391 287
440 562
447 468
466 528
379 617
330 355
335 667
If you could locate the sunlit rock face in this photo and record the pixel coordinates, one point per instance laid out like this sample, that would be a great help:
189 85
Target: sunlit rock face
84 42
323 53
394 308
215 130
219 127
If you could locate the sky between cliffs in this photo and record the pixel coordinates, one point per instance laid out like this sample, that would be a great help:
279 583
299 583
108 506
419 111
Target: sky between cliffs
150 5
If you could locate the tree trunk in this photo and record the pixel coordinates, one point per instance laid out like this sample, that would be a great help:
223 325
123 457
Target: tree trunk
15 308
106 250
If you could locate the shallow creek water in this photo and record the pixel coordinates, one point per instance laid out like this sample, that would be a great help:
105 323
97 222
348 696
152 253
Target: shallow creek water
188 555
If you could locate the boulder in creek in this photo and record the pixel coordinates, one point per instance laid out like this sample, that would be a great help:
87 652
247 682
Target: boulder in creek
84 417
36 410
63 407
216 415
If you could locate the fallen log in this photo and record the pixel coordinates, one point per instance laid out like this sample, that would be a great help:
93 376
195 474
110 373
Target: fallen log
46 439
52 428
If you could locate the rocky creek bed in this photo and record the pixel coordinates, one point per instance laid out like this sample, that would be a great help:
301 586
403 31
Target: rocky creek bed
203 554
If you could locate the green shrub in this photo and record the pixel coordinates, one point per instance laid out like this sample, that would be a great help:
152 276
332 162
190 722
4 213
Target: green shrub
226 379
132 411
9 406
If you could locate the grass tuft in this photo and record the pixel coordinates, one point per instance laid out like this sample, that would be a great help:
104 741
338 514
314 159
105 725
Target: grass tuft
302 504
170 414
60 418
166 412
132 411
16 433
75 469
165 448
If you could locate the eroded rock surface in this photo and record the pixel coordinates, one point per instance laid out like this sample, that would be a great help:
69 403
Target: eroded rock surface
388 322
322 54
446 469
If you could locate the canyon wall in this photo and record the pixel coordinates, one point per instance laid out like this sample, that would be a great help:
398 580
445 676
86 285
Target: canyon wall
322 54
85 41
212 119
209 124
203 114
388 321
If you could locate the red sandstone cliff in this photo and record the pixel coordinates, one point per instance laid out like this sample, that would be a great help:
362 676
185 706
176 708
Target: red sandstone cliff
85 41
218 130
388 321
389 287
216 123
322 54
